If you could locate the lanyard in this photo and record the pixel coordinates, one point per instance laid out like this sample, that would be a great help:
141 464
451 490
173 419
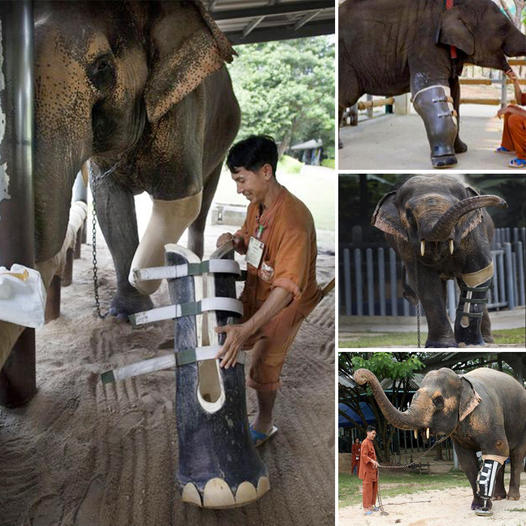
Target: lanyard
259 231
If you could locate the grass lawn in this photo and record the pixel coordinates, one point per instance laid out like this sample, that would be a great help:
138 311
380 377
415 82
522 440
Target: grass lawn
392 484
404 339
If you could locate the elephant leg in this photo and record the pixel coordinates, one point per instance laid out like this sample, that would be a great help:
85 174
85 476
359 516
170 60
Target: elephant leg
469 464
197 228
116 215
485 326
433 106
517 462
431 291
474 288
454 86
500 491
486 481
349 93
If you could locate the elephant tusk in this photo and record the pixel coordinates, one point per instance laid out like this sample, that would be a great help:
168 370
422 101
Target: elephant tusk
451 246
427 433
422 247
415 432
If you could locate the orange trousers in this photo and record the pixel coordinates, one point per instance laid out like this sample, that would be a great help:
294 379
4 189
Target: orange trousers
370 489
514 134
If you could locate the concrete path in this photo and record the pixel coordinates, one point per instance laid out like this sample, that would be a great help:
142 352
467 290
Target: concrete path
399 142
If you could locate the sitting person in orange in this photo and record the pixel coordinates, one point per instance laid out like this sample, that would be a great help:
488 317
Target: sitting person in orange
368 472
355 453
514 133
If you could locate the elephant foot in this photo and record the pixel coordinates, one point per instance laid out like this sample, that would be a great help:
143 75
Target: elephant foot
441 344
340 145
460 146
482 508
513 495
129 302
498 497
443 161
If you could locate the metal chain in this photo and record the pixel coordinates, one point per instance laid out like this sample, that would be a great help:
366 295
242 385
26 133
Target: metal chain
94 253
418 324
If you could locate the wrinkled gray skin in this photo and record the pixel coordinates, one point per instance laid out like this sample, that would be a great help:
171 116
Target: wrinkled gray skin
494 426
96 63
390 47
409 216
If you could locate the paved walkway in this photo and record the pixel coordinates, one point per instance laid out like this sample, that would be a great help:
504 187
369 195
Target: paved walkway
399 142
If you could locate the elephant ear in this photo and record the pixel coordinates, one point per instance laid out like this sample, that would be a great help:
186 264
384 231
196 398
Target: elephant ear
454 31
471 220
469 399
186 47
387 218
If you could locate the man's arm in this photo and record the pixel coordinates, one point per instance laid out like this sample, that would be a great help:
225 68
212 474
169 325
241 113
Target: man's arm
516 85
368 459
237 335
237 240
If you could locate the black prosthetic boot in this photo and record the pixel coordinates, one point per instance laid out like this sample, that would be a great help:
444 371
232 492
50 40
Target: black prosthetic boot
433 105
486 485
469 313
218 464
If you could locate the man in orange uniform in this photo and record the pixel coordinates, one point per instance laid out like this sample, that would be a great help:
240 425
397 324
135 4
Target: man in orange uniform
514 133
279 240
355 452
368 472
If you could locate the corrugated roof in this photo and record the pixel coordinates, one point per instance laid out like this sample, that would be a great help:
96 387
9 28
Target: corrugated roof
249 21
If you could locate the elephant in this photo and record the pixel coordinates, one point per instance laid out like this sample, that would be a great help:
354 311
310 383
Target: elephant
482 410
389 47
441 230
141 91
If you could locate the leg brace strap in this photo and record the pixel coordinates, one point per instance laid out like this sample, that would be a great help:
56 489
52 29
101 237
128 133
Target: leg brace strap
193 308
486 479
212 266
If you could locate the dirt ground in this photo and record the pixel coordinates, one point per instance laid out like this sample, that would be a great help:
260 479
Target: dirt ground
87 454
435 508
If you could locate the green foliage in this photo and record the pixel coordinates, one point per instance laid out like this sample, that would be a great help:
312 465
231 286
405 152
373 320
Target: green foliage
329 163
289 165
285 89
384 365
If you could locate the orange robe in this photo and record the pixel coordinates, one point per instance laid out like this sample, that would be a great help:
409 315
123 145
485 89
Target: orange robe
355 453
368 473
514 133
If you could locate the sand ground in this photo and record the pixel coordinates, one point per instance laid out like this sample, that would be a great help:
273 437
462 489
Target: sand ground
87 454
435 508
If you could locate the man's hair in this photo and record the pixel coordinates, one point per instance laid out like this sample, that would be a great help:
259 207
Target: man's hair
252 153
371 428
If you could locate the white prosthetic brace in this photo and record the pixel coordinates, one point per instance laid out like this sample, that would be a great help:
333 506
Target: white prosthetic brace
168 221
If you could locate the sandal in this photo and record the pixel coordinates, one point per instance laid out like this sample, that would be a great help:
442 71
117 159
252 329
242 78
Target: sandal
517 163
502 149
260 438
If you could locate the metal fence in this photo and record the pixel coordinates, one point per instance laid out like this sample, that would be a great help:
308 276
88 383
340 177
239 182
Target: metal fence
371 278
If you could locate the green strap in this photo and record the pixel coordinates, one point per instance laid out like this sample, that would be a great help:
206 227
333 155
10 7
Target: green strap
185 357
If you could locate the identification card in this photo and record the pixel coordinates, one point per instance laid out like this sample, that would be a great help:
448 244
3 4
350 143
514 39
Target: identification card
255 252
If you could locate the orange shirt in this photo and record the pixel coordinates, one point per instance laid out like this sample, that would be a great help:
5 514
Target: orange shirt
367 455
355 451
289 256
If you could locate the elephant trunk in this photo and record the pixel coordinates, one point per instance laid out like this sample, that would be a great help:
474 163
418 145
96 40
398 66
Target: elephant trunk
402 420
445 224
514 43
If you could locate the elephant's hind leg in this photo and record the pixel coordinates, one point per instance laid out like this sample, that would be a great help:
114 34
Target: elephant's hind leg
517 464
500 491
116 215
197 228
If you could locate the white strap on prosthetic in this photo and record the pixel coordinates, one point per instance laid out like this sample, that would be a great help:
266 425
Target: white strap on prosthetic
472 280
171 312
447 96
228 266
168 221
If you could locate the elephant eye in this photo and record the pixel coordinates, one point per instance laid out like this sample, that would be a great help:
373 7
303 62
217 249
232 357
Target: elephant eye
439 402
101 72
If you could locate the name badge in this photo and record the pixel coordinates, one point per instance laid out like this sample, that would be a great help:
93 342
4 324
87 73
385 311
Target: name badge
255 252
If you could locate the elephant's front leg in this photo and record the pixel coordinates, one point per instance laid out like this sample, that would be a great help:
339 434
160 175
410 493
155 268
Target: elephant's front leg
454 85
431 291
473 298
116 215
470 466
433 104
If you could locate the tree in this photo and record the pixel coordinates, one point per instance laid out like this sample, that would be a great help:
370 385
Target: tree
399 367
286 89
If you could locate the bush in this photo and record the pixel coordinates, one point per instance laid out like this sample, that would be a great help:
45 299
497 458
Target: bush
329 163
289 165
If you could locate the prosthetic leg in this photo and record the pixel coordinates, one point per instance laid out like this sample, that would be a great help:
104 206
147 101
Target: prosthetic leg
473 296
434 105
486 485
218 464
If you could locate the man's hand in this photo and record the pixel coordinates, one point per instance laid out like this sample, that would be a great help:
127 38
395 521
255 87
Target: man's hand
503 111
226 237
236 336
375 464
511 75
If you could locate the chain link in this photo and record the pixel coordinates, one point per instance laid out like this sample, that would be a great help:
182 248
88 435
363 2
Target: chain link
94 254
